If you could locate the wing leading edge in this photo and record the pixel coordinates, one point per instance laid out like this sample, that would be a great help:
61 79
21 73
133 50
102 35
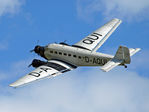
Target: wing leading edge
51 69
97 38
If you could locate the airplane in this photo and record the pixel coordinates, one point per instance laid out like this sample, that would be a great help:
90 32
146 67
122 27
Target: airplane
62 57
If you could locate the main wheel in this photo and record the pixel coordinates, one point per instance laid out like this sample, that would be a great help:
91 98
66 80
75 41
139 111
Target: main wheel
125 66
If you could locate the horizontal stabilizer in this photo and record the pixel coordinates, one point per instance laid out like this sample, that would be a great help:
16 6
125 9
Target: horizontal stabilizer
111 64
134 51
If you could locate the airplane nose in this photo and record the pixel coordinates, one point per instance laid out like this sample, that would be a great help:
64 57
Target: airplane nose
39 50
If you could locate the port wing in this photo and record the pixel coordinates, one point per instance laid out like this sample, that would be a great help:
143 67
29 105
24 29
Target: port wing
51 69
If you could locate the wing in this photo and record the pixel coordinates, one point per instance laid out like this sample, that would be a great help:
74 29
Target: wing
97 38
111 64
51 69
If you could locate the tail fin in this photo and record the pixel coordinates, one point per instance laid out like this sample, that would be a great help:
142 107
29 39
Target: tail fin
121 57
123 54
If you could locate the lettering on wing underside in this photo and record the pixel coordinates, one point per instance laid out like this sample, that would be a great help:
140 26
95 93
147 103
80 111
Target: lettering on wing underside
37 74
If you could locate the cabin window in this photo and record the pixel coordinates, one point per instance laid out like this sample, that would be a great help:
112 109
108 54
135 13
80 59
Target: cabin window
51 51
60 53
74 56
69 54
65 54
79 57
55 52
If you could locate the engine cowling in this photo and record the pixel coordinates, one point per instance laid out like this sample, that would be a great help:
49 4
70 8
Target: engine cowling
36 63
39 50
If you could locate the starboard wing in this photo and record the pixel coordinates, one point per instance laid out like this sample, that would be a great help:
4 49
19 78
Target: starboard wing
97 38
51 69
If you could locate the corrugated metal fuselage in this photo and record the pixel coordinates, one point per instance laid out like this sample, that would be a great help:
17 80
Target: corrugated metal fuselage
75 56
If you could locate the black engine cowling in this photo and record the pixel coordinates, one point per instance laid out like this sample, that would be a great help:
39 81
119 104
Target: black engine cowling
39 50
36 63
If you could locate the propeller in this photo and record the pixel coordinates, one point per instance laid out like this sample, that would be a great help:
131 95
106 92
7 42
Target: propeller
31 50
39 50
36 49
36 63
29 65
35 46
65 41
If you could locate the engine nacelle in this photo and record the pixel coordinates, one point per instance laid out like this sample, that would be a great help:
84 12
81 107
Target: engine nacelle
36 63
39 50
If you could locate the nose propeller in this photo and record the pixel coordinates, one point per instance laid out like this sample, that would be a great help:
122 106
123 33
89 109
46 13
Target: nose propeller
36 49
39 50
31 50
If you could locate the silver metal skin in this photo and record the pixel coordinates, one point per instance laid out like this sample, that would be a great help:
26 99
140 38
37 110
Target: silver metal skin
62 57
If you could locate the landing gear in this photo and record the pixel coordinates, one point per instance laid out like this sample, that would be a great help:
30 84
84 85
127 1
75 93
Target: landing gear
125 66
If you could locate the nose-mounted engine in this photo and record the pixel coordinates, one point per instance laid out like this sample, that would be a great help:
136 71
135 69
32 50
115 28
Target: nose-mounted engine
36 63
39 50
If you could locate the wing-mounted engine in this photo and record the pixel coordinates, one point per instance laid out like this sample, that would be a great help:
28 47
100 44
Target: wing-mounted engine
43 70
36 63
63 43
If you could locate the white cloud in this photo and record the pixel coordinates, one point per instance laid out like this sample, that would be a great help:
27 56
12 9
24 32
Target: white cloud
9 6
124 9
87 91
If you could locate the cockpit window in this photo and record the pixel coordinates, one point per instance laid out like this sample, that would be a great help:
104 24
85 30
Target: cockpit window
51 51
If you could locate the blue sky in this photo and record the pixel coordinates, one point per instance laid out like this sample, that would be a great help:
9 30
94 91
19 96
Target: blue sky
24 24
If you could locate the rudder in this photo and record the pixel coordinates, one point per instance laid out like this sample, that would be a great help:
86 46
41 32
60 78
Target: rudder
123 54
